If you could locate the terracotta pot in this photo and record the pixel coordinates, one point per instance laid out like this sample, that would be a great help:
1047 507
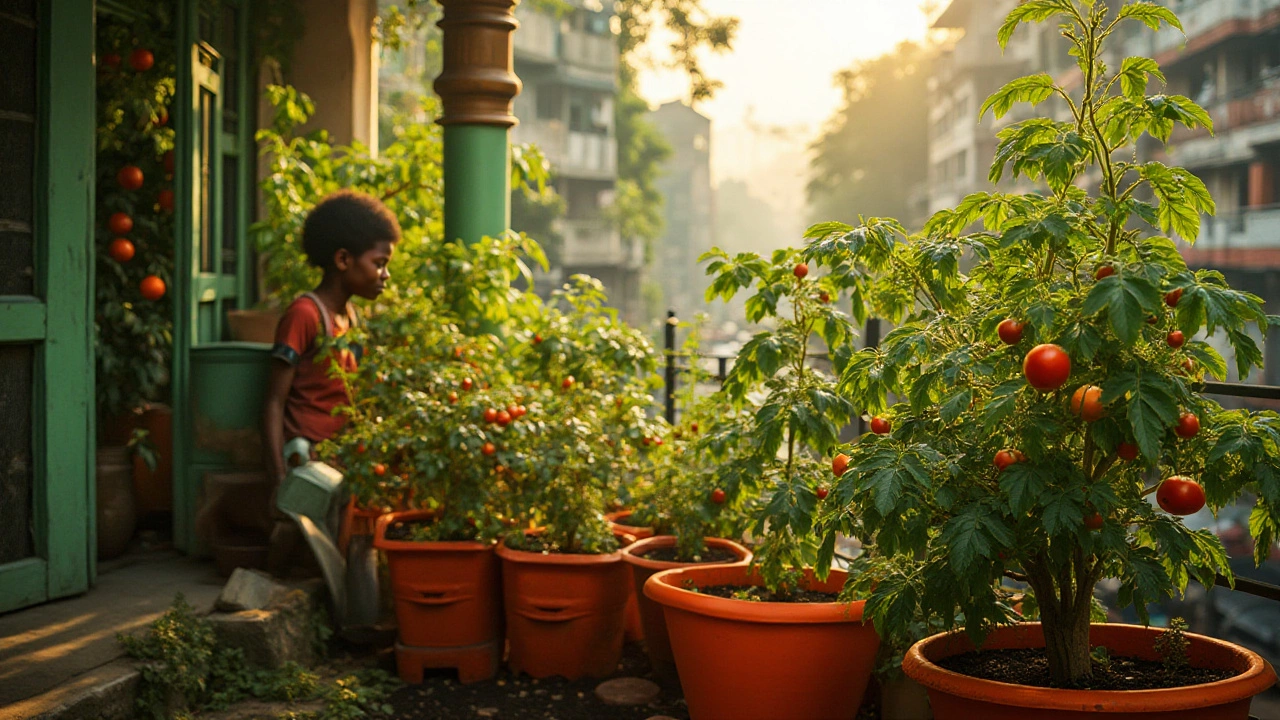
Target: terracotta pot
634 625
356 520
657 643
253 325
448 603
154 488
764 660
565 612
117 514
636 531
956 696
904 699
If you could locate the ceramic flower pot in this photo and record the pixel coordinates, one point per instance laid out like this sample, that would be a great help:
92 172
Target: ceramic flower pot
564 612
955 696
448 601
764 660
657 644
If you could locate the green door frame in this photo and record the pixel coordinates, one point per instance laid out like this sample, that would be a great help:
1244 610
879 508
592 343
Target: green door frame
58 320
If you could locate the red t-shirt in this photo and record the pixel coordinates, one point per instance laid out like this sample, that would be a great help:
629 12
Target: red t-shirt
308 410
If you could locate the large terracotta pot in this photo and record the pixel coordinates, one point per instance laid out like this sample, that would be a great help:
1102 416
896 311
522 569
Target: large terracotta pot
565 612
117 514
634 625
154 488
764 660
448 602
955 696
617 521
657 643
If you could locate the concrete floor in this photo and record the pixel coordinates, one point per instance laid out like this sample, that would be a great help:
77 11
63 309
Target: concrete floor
52 648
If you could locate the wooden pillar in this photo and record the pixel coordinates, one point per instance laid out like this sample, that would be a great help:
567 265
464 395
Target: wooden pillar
1262 184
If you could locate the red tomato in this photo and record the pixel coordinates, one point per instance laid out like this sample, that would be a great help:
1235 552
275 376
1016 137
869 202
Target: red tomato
522 411
1093 522
693 427
567 382
360 448
1086 402
152 288
1188 425
1153 320
657 441
120 223
1004 459
880 426
824 298
1188 365
717 496
1103 271
513 410
1046 367
1127 451
121 250
801 271
1179 495
453 398
162 117
645 441
165 199
168 162
141 60
1172 297
379 469
839 464
488 448
1017 454
1175 339
467 383
129 177
490 415
822 492
1010 331
504 418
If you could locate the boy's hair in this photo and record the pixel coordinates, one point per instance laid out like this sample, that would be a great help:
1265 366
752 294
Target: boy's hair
346 220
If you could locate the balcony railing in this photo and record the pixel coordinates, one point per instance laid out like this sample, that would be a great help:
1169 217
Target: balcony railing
539 35
572 154
1251 104
1248 229
597 52
593 242
1198 20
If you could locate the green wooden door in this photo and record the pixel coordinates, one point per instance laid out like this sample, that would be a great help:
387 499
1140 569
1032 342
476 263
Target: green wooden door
46 275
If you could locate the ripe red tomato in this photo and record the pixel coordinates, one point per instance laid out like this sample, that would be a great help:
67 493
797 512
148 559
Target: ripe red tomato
717 496
121 250
824 298
513 410
1188 425
168 162
164 199
162 117
693 427
120 223
1103 271
1172 297
801 271
1188 365
488 448
1004 459
1179 495
504 418
1017 454
467 383
522 411
1086 402
141 60
1175 339
111 60
1127 451
839 464
360 448
881 426
453 398
822 492
1094 521
537 338
129 177
490 415
1046 367
1010 331
379 469
645 441
567 382
151 287
657 441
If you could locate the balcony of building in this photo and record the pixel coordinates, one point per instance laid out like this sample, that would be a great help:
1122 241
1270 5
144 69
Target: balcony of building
1246 238
595 242
571 154
539 37
591 51
1206 22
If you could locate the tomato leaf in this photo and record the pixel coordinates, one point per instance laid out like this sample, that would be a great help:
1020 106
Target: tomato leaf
1152 408
1134 74
1023 484
1033 89
1126 300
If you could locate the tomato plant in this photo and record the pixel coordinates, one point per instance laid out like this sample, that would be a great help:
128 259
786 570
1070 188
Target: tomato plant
1088 260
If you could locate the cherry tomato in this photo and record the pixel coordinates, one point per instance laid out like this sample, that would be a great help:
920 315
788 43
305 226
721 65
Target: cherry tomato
168 162
1127 451
379 469
839 464
537 338
824 298
488 448
881 426
503 418
164 199
1172 297
490 415
717 496
129 177
822 492
467 383
1179 495
1103 271
1046 367
1153 320
1086 402
1188 425
801 271
120 223
1010 331
1094 521
152 288
1004 459
141 60
1188 365
1175 339
453 398
693 427
567 382
121 250
111 60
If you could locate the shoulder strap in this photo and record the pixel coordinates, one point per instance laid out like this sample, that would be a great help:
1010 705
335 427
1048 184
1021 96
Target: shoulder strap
326 322
353 318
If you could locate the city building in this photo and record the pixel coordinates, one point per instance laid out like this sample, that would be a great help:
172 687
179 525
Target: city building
568 65
689 211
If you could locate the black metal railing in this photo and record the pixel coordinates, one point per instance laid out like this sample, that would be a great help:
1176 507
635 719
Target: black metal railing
871 333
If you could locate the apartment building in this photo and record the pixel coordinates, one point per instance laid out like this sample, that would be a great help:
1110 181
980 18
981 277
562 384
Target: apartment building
689 211
569 67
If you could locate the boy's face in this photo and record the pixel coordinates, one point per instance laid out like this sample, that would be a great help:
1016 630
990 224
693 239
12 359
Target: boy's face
366 275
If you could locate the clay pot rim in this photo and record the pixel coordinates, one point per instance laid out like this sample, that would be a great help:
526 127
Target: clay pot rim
539 558
634 553
640 532
664 588
381 542
1257 676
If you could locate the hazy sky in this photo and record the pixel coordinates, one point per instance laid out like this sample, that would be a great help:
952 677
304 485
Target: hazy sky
784 57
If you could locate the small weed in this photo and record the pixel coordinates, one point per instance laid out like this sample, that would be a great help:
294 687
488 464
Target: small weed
1102 658
1172 645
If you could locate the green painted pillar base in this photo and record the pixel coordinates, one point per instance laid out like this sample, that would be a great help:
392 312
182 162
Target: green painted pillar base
477 173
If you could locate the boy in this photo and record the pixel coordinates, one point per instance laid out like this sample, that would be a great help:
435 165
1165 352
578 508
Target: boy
350 236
